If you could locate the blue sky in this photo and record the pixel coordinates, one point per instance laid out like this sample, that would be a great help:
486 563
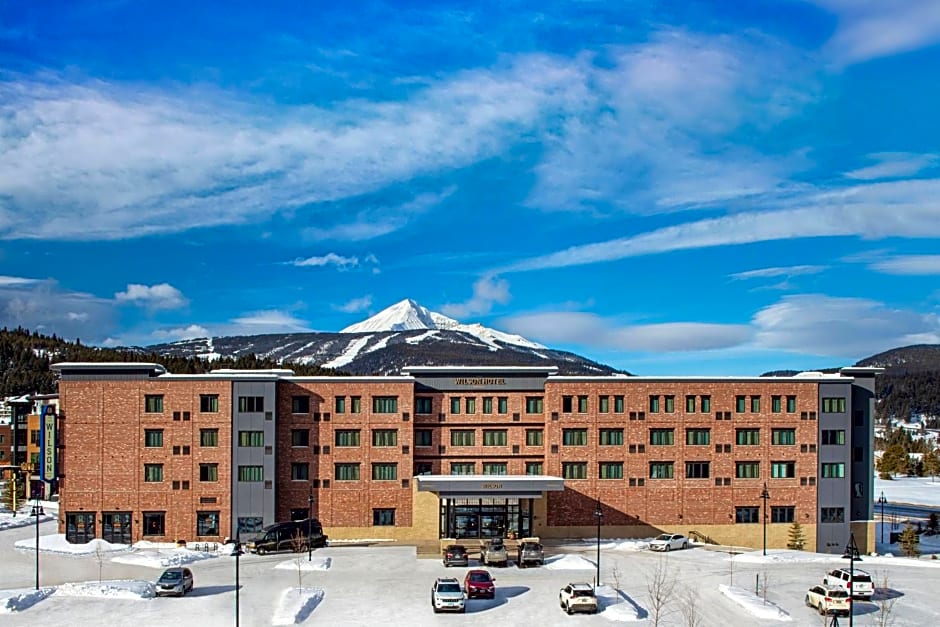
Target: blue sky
669 188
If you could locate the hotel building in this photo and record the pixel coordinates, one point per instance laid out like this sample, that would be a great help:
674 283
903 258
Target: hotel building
464 452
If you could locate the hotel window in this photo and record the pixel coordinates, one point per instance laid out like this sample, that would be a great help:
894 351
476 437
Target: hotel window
384 472
832 437
747 514
654 404
471 405
747 437
755 404
207 523
603 404
783 514
567 404
346 437
534 405
706 404
610 470
697 470
153 403
423 468
574 437
618 404
574 470
670 404
690 404
208 437
791 404
776 404
355 404
154 523
698 437
300 437
251 474
487 404
502 404
462 437
251 404
300 405
533 437
251 438
533 468
346 472
423 405
455 404
494 468
662 437
783 470
384 517
340 405
385 437
833 405
832 515
209 403
582 404
462 468
34 437
153 438
423 437
833 471
611 437
783 437
662 470
384 404
747 470
494 437
208 472
740 404
153 473
299 471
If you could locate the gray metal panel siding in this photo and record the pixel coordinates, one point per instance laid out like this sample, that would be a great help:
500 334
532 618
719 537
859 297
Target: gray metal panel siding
251 499
863 440
832 537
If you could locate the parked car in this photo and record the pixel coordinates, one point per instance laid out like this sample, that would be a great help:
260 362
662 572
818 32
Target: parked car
175 581
479 583
494 552
668 542
530 553
578 597
447 595
456 555
829 600
860 588
288 536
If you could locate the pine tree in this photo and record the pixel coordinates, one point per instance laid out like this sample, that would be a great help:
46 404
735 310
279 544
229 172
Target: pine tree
932 465
797 539
893 461
910 542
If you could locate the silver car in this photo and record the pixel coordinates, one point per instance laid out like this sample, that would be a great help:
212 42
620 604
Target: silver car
175 581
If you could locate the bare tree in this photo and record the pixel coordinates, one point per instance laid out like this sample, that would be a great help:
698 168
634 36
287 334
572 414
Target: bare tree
884 601
660 585
691 609
615 574
298 543
763 585
99 557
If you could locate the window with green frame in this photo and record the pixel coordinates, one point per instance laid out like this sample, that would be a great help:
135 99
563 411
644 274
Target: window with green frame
747 470
384 471
534 405
755 404
423 437
654 404
251 474
832 470
208 437
610 470
706 404
487 404
153 403
495 468
463 468
209 472
783 437
346 472
502 404
495 437
582 404
603 404
776 404
611 437
471 404
690 404
209 403
662 470
339 406
574 470
670 402
153 473
533 468
423 405
747 437
832 437
662 437
153 438
346 437
299 471
574 437
455 404
740 404
618 404
462 437
791 404
833 405
782 470
384 404
251 438
251 404
300 405
355 404
385 437
698 437
534 437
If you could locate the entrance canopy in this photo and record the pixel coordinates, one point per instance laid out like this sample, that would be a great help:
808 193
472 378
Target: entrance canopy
489 486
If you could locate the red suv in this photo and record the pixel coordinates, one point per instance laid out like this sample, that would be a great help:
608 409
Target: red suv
479 583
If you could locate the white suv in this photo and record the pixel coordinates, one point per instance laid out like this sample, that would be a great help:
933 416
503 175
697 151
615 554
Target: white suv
860 588
578 597
447 595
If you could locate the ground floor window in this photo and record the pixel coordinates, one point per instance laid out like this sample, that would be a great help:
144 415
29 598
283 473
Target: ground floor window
832 515
154 523
746 514
250 524
79 527
485 518
116 527
207 523
383 517
786 514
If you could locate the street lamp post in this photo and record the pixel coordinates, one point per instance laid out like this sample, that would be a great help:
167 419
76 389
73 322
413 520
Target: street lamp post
37 510
237 552
765 495
881 501
851 554
598 514
309 523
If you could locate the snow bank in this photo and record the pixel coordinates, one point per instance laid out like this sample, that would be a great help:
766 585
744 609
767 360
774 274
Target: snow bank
121 589
19 600
569 562
296 605
753 604
56 544
317 563
165 557
615 605
782 556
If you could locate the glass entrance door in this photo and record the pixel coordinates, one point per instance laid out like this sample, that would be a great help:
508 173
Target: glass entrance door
79 527
116 527
485 518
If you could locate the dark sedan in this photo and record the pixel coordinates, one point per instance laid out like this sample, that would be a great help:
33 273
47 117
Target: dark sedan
456 555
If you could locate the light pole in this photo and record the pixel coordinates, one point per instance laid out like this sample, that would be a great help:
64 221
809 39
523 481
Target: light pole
309 523
598 514
881 501
237 552
851 554
765 495
37 510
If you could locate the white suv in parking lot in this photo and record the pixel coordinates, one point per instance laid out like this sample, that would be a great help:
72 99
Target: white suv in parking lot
860 588
447 595
578 597
829 600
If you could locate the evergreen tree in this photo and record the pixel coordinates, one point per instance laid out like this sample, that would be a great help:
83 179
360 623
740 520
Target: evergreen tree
8 493
893 461
910 542
796 539
931 465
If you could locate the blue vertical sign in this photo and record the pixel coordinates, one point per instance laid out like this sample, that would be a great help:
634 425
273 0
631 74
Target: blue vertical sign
47 428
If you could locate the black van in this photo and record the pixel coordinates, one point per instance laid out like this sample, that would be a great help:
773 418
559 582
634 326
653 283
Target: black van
288 536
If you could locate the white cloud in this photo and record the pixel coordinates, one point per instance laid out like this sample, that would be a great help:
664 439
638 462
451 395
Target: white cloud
181 333
908 264
329 259
44 306
893 165
356 305
159 296
783 271
6 281
269 321
487 291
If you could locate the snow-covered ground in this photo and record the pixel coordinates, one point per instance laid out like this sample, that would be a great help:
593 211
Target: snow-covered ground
916 490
